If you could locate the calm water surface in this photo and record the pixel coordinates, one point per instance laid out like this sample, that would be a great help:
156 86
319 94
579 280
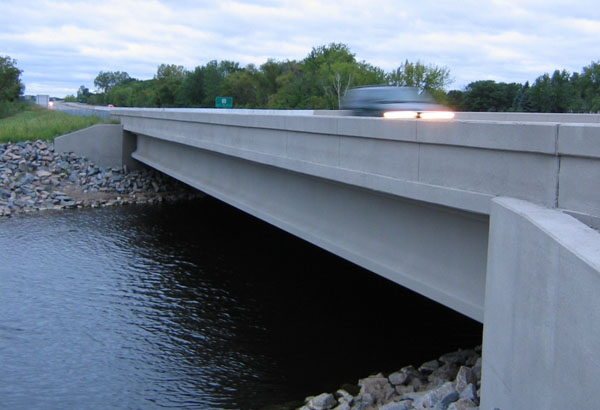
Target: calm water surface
194 305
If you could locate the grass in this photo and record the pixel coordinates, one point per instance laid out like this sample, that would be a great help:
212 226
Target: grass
35 123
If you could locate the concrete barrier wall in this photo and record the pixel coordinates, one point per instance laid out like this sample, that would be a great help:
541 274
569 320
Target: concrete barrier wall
83 110
105 144
529 117
461 164
542 316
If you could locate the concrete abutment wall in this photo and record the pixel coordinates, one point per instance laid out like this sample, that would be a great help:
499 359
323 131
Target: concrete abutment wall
106 145
541 343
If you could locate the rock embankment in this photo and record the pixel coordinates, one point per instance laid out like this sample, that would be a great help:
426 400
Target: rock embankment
450 383
34 177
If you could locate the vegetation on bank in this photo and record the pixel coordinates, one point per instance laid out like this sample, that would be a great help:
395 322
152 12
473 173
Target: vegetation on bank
33 123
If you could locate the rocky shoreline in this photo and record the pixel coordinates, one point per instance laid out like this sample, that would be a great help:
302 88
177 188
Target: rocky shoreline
451 382
33 177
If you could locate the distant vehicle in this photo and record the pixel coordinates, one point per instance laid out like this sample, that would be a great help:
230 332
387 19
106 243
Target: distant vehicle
111 106
393 102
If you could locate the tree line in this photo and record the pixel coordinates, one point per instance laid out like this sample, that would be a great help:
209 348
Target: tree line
561 92
319 81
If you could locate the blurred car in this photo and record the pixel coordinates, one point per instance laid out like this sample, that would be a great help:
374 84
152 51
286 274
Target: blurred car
393 102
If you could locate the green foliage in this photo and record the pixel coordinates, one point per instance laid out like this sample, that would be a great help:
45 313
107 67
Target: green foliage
428 78
489 95
589 87
242 86
39 123
321 79
104 81
11 86
9 108
169 81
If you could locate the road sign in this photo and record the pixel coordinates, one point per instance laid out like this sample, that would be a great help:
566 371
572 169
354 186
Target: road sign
223 102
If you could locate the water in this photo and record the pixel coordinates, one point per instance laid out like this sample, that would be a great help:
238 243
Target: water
194 305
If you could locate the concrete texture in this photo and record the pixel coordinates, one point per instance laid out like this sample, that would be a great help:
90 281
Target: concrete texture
541 331
529 117
461 164
105 144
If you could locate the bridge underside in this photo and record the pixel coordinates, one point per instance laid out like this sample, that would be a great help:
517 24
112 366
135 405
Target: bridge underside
436 251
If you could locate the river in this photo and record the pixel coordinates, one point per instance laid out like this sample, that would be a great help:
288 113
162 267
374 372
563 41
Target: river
194 305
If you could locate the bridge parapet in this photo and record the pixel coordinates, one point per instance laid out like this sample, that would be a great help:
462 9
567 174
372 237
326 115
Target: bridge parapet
460 164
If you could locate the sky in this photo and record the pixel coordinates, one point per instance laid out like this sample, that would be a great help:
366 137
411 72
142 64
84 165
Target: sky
61 45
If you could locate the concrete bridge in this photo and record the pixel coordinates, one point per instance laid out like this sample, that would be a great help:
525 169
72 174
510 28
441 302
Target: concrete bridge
493 215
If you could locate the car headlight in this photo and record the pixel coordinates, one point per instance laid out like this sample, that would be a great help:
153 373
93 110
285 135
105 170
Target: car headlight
436 115
400 114
425 115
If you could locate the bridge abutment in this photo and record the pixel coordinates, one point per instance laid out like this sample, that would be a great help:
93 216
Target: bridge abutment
541 333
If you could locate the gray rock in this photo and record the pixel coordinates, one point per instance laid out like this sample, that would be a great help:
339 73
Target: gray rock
469 392
363 401
402 390
443 395
444 373
29 171
429 367
324 401
464 377
378 387
398 378
462 404
476 369
343 396
399 405
458 358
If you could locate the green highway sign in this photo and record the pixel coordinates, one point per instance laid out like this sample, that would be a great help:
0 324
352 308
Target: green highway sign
223 102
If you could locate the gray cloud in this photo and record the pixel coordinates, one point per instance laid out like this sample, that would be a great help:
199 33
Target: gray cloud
62 44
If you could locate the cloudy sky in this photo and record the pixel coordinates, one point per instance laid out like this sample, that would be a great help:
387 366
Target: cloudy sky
61 45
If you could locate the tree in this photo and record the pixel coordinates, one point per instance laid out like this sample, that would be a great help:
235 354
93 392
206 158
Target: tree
104 81
331 69
169 79
11 86
242 86
192 91
590 87
430 78
83 94
488 95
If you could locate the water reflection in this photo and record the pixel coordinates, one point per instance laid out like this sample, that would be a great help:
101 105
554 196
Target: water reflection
194 305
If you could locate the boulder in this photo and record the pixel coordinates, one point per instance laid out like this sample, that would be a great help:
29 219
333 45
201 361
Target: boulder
464 377
323 401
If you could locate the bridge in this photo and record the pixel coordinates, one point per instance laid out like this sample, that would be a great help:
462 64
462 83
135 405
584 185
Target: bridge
493 215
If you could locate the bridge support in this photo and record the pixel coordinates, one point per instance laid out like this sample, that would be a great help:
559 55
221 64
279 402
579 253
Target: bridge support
541 333
434 250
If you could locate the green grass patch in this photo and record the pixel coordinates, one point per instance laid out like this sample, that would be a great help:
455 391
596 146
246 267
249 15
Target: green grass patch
38 123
